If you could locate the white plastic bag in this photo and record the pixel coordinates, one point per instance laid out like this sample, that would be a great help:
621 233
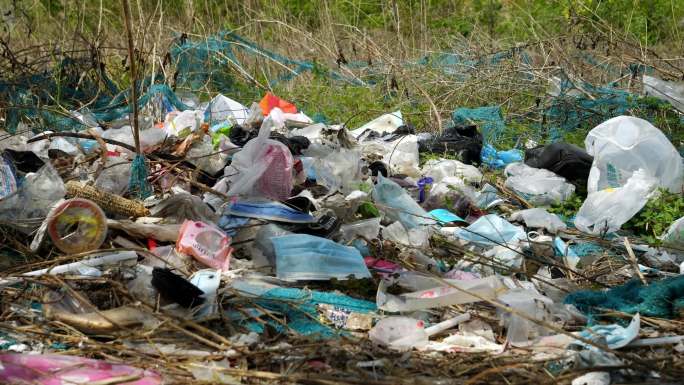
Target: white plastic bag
439 169
386 123
538 186
624 144
222 108
401 154
183 123
607 210
539 218
674 236
264 166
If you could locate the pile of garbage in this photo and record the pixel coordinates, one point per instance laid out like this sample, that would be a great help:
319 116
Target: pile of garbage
241 244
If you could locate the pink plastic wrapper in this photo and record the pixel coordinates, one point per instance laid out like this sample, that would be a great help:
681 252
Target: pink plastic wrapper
52 369
206 243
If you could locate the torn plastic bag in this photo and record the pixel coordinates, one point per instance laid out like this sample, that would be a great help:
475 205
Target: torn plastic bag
537 186
267 210
367 229
520 331
222 108
324 139
183 206
53 369
263 167
416 237
491 230
182 123
432 293
606 210
674 236
400 154
399 205
622 145
115 175
30 204
339 171
203 156
539 218
672 92
438 169
307 257
567 160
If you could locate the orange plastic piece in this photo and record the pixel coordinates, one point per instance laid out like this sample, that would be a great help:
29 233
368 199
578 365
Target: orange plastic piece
271 101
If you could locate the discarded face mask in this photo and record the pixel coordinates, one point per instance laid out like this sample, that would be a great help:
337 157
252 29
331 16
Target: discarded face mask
53 369
267 210
614 336
491 230
307 257
207 244
570 258
207 280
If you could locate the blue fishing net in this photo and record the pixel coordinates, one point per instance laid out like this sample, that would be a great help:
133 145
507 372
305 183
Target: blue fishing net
664 299
138 184
300 311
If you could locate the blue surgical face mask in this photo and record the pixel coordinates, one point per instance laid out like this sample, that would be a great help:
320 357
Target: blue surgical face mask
307 257
268 210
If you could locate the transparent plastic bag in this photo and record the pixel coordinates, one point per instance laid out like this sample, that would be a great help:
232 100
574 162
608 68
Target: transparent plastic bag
520 331
674 236
622 145
339 171
672 92
114 176
537 186
400 206
367 229
29 205
606 210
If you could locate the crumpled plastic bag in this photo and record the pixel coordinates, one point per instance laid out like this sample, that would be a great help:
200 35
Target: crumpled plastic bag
538 186
674 235
439 169
624 144
400 206
264 166
222 108
539 218
606 210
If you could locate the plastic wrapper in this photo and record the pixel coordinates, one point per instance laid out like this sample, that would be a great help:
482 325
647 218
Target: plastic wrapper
622 145
77 225
206 243
606 210
8 178
307 257
400 206
537 186
539 218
